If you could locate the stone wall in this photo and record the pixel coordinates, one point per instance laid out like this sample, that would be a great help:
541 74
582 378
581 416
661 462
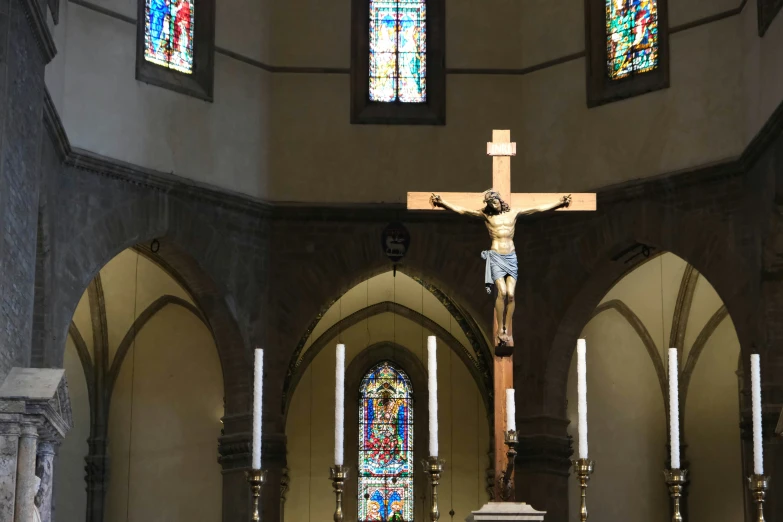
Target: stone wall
22 60
262 273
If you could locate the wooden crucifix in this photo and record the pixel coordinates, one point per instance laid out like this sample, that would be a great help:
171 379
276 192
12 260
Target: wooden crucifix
499 208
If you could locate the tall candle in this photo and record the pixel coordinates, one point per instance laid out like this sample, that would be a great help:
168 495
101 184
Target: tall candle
511 411
258 385
581 390
674 408
755 390
432 367
339 405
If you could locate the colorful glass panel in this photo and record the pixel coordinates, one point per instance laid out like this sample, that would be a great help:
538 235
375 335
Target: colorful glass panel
168 34
398 51
631 37
386 446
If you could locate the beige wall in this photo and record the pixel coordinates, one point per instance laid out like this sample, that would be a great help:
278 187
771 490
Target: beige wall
70 496
627 425
166 406
164 425
464 430
626 406
282 136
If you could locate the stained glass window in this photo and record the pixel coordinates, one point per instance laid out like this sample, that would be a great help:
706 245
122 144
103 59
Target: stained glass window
398 51
385 445
168 34
631 37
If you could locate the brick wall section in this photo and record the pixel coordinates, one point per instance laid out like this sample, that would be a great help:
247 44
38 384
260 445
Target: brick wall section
21 102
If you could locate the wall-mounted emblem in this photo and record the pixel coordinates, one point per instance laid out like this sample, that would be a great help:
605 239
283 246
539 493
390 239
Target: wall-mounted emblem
395 241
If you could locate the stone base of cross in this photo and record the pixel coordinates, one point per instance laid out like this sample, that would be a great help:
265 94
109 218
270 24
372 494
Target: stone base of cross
501 149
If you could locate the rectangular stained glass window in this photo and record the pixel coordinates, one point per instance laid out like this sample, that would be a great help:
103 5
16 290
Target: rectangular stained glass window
385 446
631 37
168 34
398 51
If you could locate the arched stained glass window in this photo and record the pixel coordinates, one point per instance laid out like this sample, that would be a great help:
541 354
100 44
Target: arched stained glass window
385 445
168 34
631 37
398 51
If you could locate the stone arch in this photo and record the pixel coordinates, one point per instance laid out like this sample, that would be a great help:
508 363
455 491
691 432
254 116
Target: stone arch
354 373
483 381
701 241
188 250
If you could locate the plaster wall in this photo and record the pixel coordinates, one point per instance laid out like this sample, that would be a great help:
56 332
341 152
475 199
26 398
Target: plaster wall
286 136
105 110
164 424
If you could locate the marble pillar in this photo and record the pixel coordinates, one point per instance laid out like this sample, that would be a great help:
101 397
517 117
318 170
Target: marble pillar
9 447
25 473
44 468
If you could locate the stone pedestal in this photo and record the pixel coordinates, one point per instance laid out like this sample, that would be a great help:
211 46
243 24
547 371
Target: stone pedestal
35 415
505 511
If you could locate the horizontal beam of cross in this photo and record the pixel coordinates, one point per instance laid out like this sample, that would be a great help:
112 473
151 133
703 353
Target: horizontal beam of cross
475 200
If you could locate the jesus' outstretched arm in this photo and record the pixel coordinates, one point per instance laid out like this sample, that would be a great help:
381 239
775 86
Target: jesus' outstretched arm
564 202
437 201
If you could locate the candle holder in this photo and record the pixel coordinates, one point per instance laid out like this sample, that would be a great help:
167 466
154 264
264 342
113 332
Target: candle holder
676 479
434 467
507 480
256 478
337 475
583 468
758 485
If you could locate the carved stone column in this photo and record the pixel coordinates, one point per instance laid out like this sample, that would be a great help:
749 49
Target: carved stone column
9 447
44 469
25 473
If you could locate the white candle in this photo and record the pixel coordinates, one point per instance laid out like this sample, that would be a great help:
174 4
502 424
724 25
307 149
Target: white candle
339 405
674 409
581 390
755 390
511 411
432 367
258 386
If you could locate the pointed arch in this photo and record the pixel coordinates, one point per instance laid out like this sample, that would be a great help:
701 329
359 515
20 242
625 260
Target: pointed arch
483 381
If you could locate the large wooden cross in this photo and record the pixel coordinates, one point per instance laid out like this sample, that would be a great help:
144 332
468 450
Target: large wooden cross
501 149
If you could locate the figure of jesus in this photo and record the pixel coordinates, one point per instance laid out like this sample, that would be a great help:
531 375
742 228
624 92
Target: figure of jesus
501 266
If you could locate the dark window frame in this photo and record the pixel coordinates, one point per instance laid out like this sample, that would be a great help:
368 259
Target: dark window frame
767 11
600 89
199 83
364 111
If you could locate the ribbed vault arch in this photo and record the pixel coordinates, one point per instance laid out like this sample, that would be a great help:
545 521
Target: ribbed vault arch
483 381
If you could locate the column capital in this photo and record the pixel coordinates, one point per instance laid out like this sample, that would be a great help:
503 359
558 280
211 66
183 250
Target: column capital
29 430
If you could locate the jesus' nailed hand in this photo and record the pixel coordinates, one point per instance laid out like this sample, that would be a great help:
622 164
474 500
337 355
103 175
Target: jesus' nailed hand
501 267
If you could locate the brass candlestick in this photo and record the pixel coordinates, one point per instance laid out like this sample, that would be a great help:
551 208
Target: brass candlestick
256 478
583 469
337 475
507 481
676 479
434 467
758 485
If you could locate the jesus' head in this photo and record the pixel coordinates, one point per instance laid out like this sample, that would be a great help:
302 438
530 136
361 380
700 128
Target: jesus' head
494 204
